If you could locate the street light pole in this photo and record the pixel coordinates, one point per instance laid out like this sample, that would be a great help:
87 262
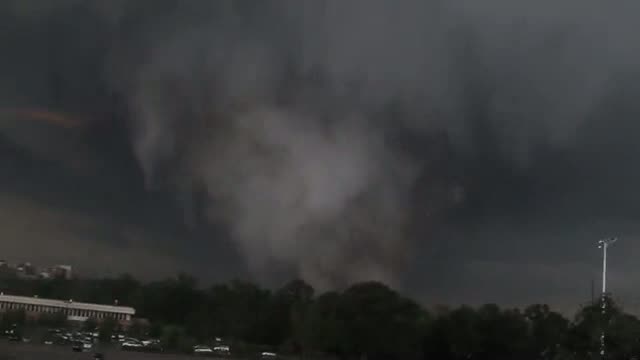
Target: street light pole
604 244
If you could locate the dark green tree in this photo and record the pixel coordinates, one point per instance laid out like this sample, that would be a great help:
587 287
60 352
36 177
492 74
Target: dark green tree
325 326
176 339
548 331
57 320
502 334
622 332
90 324
453 335
380 323
12 318
155 330
288 316
106 329
138 329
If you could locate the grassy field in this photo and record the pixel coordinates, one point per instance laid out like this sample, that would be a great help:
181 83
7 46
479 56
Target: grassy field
19 351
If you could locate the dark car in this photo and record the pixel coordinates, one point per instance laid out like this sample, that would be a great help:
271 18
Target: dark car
15 338
80 346
154 347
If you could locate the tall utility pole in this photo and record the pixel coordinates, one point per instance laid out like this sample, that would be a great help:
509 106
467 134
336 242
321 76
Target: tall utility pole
604 244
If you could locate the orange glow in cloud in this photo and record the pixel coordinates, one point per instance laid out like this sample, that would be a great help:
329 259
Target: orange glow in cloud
54 118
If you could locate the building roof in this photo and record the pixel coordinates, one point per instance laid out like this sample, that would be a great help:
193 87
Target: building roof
67 304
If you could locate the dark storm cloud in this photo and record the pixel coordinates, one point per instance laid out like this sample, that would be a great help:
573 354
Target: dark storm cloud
335 137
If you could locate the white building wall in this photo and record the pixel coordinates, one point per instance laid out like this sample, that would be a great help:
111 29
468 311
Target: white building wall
74 311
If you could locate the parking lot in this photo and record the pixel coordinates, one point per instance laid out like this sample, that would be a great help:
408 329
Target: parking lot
21 351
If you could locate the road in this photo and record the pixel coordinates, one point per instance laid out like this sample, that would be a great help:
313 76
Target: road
19 351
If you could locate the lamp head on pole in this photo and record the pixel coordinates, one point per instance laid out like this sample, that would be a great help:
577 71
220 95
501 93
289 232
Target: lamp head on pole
606 242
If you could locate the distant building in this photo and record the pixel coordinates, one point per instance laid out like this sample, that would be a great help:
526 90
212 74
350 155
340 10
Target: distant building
6 270
61 272
26 271
75 311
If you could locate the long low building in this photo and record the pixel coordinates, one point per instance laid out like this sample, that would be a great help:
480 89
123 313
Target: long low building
76 311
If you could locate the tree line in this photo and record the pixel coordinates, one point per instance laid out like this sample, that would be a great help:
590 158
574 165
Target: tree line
367 320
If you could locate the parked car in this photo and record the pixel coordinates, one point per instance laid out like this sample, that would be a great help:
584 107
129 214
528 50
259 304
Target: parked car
132 345
154 346
202 350
222 349
81 346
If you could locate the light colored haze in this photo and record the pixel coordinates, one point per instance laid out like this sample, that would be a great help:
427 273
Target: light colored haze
291 114
314 181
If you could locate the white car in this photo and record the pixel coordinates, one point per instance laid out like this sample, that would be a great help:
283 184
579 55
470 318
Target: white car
150 342
222 349
202 349
268 354
131 345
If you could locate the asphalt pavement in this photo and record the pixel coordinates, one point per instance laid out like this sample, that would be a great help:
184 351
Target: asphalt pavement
22 351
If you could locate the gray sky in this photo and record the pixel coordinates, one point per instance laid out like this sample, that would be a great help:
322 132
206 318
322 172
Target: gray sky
462 152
